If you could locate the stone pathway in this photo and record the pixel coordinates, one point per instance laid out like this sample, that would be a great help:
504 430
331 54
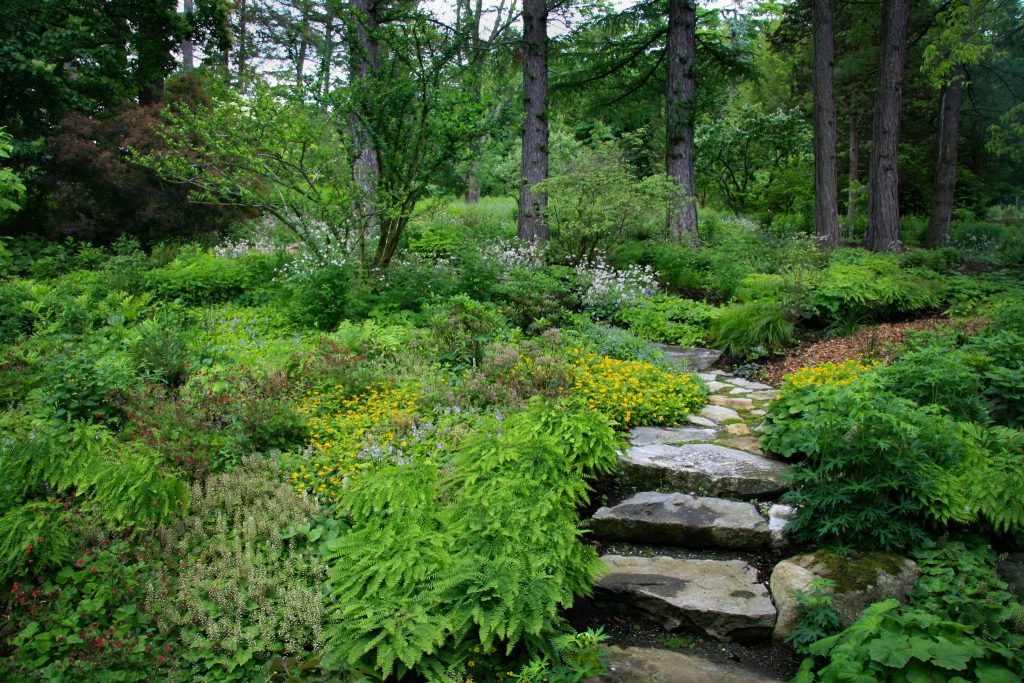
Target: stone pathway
701 485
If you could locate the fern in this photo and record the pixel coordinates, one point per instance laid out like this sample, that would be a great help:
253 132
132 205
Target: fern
483 550
122 484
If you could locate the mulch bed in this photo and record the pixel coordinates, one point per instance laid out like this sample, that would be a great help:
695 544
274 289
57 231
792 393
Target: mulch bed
876 341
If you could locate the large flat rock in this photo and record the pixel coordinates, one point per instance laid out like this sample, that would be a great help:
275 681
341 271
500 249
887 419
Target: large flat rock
653 665
695 359
682 520
704 469
645 436
718 414
721 599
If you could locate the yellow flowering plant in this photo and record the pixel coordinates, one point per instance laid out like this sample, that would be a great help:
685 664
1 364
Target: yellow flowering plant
632 392
838 374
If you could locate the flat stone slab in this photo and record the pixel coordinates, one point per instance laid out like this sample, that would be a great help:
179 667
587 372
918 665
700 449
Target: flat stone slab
699 421
763 395
645 436
654 665
747 384
749 444
695 359
732 402
718 414
705 469
714 386
682 520
721 599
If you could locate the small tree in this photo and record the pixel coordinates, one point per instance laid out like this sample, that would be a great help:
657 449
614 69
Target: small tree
598 197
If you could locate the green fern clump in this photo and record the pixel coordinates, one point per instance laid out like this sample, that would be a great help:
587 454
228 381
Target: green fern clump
754 328
121 483
445 560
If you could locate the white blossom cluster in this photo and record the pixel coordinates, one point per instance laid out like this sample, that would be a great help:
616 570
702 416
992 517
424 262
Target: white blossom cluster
515 253
611 289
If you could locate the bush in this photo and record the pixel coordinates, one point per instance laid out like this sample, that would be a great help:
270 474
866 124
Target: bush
459 329
323 297
441 565
934 372
537 299
634 393
868 459
236 584
197 277
670 319
753 329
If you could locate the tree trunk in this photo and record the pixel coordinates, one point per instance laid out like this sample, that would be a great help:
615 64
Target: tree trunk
242 59
473 172
945 170
883 173
364 56
187 48
680 93
854 172
327 55
534 164
826 199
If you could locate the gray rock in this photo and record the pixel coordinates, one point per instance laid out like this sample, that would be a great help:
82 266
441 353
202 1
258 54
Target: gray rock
695 359
750 444
654 665
706 469
763 395
709 376
758 412
739 391
850 601
719 598
779 516
730 402
747 384
737 429
1011 570
699 421
718 414
645 436
714 386
682 520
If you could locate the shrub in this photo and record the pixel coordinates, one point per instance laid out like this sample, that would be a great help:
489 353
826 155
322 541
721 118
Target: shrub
509 376
198 277
540 298
755 328
231 586
459 329
669 319
636 393
868 460
818 616
614 342
928 371
441 565
323 297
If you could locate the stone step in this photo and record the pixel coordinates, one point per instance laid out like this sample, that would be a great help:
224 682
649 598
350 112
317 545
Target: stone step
654 665
696 359
704 469
719 598
682 520
646 436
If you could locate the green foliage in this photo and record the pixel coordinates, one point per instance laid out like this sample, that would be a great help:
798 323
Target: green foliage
11 188
537 299
614 342
991 476
926 372
460 327
756 328
597 198
670 319
121 483
238 580
199 277
867 455
954 629
818 617
575 657
440 560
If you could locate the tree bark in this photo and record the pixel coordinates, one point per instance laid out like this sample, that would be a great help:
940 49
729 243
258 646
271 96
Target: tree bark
680 93
327 55
534 163
187 48
883 174
945 170
364 56
854 173
242 60
826 199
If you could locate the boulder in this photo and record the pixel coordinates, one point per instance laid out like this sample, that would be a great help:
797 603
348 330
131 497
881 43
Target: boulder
700 421
654 665
706 469
721 599
682 520
747 384
779 517
861 579
695 359
737 429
